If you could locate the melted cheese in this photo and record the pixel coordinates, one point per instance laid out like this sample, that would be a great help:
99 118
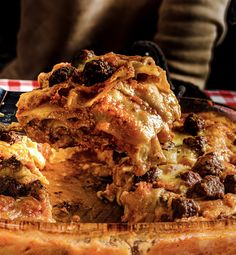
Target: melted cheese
136 114
28 154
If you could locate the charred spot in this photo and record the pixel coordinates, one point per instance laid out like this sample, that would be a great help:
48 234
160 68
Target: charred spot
196 143
150 176
184 208
9 137
230 183
81 57
210 187
190 178
193 124
61 74
10 187
117 156
208 164
97 71
11 163
234 143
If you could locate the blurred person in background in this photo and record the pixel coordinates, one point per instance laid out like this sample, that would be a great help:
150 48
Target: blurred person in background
47 32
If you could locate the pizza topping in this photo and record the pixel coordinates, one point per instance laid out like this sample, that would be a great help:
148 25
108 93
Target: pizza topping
97 71
11 187
196 143
59 132
11 163
184 208
230 183
117 156
190 178
208 164
61 74
193 124
8 136
210 187
150 176
81 57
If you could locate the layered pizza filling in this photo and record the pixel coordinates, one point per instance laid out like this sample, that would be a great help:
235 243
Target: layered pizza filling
22 185
107 104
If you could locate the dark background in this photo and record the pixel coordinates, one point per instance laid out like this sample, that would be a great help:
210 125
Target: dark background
223 66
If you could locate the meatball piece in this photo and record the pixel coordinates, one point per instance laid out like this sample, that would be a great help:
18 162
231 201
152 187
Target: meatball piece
11 163
230 183
150 176
10 187
9 136
184 208
210 187
196 143
82 56
190 178
61 74
97 71
193 124
208 164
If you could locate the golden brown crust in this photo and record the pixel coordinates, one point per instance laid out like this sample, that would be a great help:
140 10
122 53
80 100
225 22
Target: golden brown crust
194 238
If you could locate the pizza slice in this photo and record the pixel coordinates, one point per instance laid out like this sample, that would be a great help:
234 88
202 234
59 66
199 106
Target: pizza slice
23 194
108 105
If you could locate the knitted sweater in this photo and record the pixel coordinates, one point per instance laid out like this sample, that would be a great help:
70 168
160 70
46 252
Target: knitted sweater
52 31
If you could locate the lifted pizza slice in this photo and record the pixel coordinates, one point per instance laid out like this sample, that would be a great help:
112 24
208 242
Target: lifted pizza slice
107 104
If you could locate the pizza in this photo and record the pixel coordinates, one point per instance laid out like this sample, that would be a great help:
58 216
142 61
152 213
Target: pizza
23 193
123 126
106 141
108 104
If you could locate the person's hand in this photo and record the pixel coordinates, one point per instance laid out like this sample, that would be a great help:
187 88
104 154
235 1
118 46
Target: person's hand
180 88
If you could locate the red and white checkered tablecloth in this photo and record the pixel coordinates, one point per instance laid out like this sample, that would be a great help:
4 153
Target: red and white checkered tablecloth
220 96
223 97
18 85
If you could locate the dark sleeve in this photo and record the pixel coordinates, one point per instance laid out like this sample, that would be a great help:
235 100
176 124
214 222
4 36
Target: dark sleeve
187 33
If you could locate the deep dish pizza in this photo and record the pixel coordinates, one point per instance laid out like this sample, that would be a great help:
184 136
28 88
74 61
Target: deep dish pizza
123 129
